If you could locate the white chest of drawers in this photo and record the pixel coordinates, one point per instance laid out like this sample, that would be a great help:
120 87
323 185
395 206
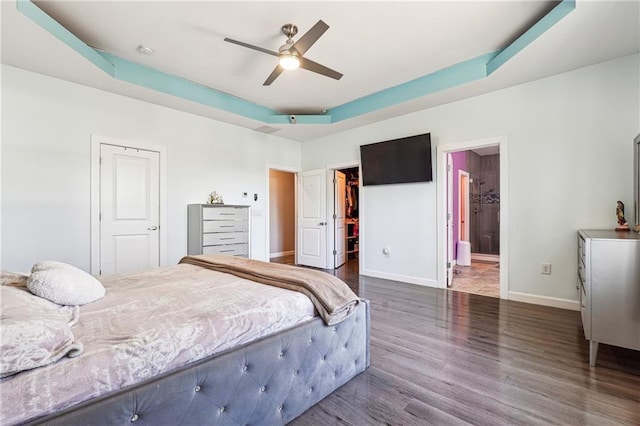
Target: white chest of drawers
218 229
609 285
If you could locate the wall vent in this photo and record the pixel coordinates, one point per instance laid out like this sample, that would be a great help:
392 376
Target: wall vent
266 129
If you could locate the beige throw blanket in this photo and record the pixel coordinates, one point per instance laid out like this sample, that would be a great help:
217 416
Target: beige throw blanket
333 299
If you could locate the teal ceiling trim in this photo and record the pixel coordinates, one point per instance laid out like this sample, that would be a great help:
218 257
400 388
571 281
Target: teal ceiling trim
150 78
548 21
36 14
141 75
300 119
455 75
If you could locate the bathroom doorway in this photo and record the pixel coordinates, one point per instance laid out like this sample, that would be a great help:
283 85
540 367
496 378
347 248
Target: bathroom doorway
473 216
477 217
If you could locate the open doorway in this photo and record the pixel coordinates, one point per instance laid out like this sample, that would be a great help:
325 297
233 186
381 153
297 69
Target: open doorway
472 217
476 217
350 199
344 215
282 216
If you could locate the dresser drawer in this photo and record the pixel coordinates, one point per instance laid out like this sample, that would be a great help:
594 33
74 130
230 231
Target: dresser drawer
585 312
582 250
581 274
225 238
231 249
225 213
225 226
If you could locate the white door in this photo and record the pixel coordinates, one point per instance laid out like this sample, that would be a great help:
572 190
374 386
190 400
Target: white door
129 209
339 211
312 220
449 220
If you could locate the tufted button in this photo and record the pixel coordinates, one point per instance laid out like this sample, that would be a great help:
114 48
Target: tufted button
295 373
245 368
323 357
280 408
281 354
262 389
310 389
335 329
221 409
134 418
334 374
197 388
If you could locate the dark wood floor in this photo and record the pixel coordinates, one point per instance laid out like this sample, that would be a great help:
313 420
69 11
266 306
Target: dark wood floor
444 357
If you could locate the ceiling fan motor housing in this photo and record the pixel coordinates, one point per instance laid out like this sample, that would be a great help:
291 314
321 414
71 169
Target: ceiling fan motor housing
289 30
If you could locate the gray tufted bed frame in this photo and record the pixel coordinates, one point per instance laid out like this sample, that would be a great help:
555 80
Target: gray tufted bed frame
267 382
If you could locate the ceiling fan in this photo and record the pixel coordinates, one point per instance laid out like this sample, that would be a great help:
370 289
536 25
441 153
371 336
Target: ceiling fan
291 53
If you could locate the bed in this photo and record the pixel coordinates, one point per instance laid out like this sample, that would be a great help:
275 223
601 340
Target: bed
145 351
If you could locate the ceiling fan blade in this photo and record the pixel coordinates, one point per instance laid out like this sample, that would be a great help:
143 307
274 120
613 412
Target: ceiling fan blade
276 72
309 65
251 46
306 41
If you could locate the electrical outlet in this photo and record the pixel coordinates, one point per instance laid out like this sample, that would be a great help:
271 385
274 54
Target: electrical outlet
546 269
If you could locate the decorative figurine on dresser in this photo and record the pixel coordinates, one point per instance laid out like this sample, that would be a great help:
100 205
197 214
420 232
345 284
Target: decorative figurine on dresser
622 222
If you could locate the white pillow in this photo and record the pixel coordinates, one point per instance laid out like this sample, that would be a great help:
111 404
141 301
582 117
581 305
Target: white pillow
64 284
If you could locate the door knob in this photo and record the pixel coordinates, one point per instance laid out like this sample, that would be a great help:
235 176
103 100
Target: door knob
152 228
322 223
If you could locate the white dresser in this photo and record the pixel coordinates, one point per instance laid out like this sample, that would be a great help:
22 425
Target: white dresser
218 229
609 286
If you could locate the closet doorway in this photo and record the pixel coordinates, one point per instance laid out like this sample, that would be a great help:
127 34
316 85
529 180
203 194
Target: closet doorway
282 216
346 215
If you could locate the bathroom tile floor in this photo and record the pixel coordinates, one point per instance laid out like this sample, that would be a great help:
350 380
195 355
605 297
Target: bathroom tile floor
480 278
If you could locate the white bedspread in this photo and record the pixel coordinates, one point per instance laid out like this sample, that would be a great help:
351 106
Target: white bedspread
148 323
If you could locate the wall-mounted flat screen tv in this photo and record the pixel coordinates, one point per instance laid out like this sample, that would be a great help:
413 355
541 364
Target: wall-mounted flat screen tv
397 161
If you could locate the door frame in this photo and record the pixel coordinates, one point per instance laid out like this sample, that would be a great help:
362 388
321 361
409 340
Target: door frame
267 209
96 142
441 202
331 206
466 201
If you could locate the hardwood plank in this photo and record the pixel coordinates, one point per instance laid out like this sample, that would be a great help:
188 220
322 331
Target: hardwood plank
450 358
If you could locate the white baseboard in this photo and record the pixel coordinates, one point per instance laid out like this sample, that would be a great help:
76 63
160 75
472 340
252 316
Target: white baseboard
402 278
553 302
485 257
282 253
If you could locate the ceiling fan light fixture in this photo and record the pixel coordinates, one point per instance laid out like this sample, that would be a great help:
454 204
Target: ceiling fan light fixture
289 61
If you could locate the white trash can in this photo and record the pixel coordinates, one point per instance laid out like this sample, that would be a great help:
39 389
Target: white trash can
464 253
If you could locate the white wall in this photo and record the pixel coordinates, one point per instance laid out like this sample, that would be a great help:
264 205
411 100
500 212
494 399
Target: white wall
570 145
46 129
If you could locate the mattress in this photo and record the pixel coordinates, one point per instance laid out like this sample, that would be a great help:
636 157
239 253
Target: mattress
149 323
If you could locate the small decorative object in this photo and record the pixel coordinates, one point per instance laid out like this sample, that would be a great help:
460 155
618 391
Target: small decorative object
215 198
622 222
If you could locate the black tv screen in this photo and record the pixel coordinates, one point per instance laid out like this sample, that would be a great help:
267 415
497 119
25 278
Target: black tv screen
397 161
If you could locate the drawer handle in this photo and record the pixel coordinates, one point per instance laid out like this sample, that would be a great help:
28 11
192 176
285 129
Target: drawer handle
228 238
152 228
227 226
226 251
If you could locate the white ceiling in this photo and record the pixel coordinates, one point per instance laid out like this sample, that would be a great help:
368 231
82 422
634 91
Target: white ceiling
376 45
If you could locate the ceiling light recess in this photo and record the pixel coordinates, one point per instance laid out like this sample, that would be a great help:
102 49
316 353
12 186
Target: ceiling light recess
145 50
